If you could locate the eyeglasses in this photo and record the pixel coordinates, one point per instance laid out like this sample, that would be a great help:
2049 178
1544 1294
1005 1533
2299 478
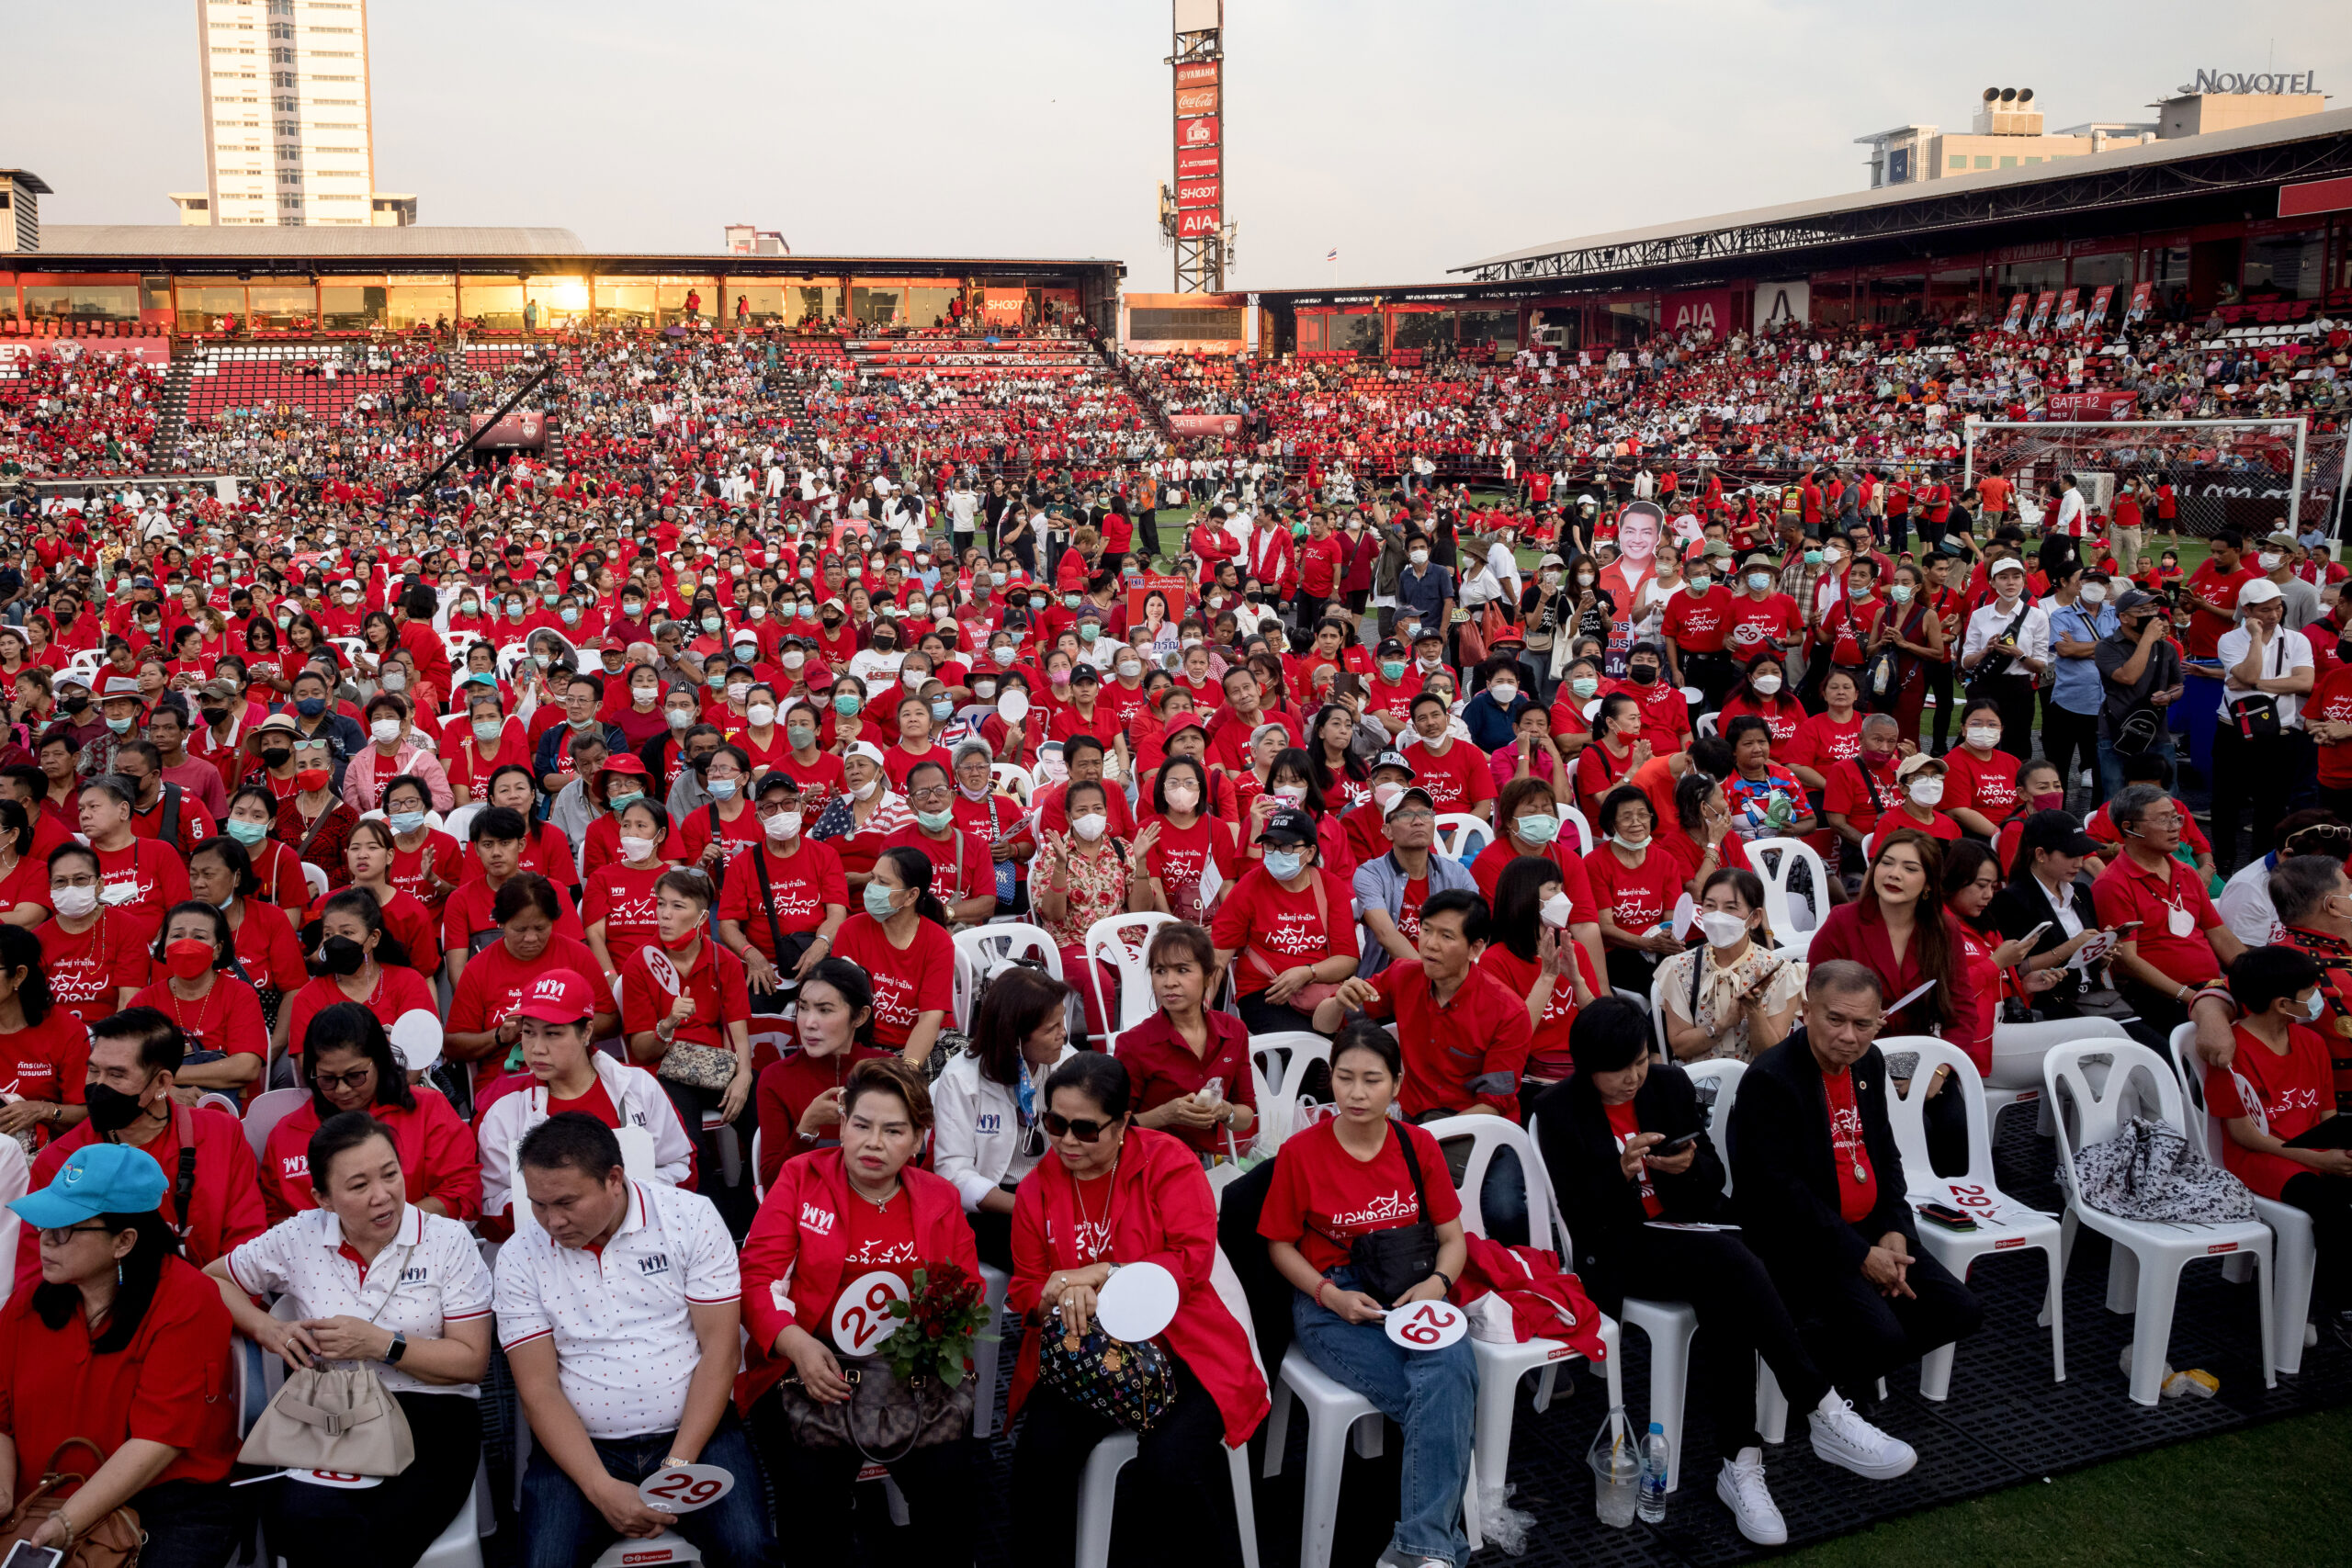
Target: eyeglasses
936 792
1414 817
355 1078
1056 1125
57 1237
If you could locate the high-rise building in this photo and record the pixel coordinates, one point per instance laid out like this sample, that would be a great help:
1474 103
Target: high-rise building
289 136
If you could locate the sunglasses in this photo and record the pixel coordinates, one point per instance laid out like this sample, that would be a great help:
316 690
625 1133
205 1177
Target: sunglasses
1056 1125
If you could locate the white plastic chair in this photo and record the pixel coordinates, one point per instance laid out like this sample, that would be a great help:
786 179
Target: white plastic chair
1455 831
1773 860
1121 941
1706 724
1692 697
2143 1271
2004 1224
1012 776
266 1111
459 823
2293 1243
1575 817
983 947
1271 1054
1333 1412
2018 1050
759 1188
1500 1367
984 1349
1278 1112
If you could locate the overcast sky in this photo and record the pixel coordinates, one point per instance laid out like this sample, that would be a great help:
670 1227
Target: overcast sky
1414 137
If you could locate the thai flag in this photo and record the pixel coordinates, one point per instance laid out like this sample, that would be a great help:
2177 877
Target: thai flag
1334 255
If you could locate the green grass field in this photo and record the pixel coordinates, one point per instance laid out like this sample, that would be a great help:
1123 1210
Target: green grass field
2272 1497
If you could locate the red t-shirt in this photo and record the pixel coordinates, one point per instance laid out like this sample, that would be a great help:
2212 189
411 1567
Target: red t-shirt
623 900
1458 780
2124 892
1180 855
49 1060
1260 913
715 983
398 990
1638 897
1548 1055
1625 1127
86 972
1700 622
1821 740
2331 700
906 985
1848 794
801 884
2205 627
2287 1095
492 987
1322 1197
1988 788
1753 623
1857 1181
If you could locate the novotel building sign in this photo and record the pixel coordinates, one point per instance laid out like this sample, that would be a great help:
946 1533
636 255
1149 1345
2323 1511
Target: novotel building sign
2254 82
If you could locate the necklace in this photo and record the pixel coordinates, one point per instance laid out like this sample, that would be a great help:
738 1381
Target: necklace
1085 1219
203 1013
881 1205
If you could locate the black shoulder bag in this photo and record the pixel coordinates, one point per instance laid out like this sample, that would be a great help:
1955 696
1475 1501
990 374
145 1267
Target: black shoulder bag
1390 1262
789 950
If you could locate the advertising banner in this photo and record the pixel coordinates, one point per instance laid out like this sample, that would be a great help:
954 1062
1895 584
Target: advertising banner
1784 304
2042 304
524 427
1198 193
2100 302
1197 133
1004 307
1227 425
1706 310
1198 162
1196 73
2091 405
1192 225
2139 308
1191 101
2016 317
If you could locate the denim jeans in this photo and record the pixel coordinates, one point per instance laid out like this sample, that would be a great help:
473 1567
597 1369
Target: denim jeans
2110 765
561 1528
1433 1394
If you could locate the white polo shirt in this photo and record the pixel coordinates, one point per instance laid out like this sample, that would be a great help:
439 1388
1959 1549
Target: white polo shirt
431 1274
625 1344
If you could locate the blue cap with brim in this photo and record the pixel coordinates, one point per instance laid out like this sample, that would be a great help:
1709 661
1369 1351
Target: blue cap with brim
101 1178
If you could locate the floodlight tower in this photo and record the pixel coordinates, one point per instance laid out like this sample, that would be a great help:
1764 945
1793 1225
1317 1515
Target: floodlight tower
1192 214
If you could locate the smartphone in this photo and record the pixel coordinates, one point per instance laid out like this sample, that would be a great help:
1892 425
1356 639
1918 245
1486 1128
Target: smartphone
1949 1218
1347 683
24 1554
2033 935
1657 1151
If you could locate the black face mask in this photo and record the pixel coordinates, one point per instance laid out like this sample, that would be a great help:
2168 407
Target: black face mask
215 715
1642 674
110 1108
76 702
341 955
276 757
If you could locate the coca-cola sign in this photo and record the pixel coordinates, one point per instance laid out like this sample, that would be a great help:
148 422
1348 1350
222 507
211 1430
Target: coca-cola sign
1196 100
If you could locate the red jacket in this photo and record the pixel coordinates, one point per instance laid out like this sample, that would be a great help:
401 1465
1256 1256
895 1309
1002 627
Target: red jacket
1161 1212
224 1211
792 1260
439 1158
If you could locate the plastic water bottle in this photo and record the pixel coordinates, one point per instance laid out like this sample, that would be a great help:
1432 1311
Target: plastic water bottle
1653 1503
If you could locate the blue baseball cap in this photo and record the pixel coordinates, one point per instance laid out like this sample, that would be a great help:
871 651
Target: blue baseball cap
100 1179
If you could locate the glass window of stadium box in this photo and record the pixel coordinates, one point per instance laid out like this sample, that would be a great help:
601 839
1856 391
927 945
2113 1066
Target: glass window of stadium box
561 301
624 301
10 306
1497 327
419 299
1952 292
197 302
928 307
2291 266
669 295
2034 277
874 307
1896 301
1359 332
1423 330
807 299
1632 321
83 300
493 302
283 306
345 304
155 296
763 303
1833 298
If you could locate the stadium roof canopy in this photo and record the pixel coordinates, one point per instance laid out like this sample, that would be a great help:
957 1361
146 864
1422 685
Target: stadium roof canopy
338 241
2307 147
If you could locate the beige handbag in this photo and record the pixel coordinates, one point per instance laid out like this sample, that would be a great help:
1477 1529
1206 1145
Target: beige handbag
341 1420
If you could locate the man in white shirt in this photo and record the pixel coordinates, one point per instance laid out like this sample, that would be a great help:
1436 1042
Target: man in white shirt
2261 748
2005 647
2069 509
620 1313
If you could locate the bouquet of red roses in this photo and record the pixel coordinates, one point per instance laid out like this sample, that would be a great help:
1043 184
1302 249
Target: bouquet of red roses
937 1324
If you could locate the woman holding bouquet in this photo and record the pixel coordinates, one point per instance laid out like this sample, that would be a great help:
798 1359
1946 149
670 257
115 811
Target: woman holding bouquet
1111 1194
834 1218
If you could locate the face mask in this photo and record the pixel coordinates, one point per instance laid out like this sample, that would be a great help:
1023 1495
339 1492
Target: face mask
119 725
1700 581
1293 795
878 901
1585 687
762 715
2316 1006
1759 580
1130 670
1387 794
864 791
845 704
1090 826
783 826
1765 685
1928 791
1642 674
737 689
341 955
801 735
1900 593
310 707
110 1108
1182 798
1002 655
1624 841
405 821
634 849
1504 692
1982 739
2094 593
312 779
188 957
2269 560
1537 828
1283 865
1584 579
514 612
935 821
1723 928
1555 911
1812 558
76 903
385 731
1858 592
2049 800
570 617
1419 558
1549 578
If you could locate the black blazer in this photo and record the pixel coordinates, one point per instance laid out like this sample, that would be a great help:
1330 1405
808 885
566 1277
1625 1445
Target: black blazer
1603 1210
2024 903
1783 1162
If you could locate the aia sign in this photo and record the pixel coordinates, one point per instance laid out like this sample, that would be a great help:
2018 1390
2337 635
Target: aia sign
1193 225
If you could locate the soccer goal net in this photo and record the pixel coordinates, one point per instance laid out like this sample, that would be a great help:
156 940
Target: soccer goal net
2252 475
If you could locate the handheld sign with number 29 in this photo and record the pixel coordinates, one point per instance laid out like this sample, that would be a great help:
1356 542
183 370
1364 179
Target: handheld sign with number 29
862 1316
1427 1326
683 1488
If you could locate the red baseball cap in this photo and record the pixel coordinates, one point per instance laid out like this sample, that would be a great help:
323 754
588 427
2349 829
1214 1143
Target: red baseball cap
626 762
560 996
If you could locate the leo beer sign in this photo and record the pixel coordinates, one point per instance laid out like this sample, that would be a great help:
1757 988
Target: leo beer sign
1192 225
1191 101
1197 193
1200 132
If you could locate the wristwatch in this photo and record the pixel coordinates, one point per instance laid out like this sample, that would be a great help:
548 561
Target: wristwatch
399 1349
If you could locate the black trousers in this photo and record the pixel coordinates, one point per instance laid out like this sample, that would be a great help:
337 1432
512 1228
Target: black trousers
1147 530
2328 1200
190 1524
2160 1012
1741 1316
1937 674
993 1233
816 1490
1185 1514
387 1526
1271 1018
2015 695
1857 1336
2252 776
2071 741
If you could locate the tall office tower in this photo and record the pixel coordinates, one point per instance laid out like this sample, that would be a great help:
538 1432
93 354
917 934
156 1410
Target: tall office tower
289 138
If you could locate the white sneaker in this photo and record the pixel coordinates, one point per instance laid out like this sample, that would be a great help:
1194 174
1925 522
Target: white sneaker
1740 1485
1843 1438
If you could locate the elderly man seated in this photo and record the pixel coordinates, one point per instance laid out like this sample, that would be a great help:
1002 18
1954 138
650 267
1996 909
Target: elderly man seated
1818 1184
2173 939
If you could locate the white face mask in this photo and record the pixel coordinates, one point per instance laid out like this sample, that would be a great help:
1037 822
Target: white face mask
1928 791
1505 692
1723 928
1765 685
782 826
1555 911
1130 670
762 715
1182 798
385 731
1419 558
864 791
1387 794
1293 793
793 659
1982 739
1090 826
737 689
2268 560
2094 593
74 903
634 849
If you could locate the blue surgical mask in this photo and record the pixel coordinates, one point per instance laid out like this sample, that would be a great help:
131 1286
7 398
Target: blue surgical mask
245 832
1283 865
405 821
878 901
119 725
722 789
489 729
570 616
310 707
2317 1005
942 709
710 623
1538 828
621 798
846 703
